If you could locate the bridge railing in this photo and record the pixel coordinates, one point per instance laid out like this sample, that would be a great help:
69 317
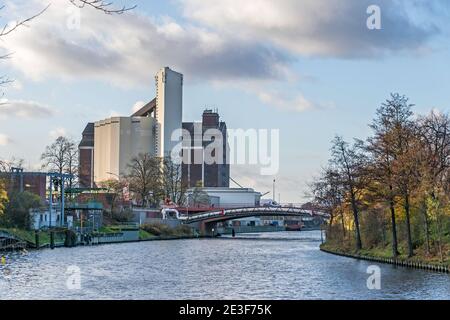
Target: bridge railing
259 210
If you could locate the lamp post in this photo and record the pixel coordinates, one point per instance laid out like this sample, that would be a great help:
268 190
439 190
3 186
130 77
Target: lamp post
274 198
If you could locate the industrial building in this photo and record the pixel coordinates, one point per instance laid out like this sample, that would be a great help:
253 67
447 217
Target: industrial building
117 141
86 157
212 175
168 111
227 197
109 145
20 181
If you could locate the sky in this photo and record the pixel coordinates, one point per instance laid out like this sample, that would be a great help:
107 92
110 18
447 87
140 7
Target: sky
310 68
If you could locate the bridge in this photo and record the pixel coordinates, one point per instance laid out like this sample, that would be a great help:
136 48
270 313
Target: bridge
207 221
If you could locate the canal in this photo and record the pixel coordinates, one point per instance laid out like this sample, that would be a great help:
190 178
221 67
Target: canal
255 266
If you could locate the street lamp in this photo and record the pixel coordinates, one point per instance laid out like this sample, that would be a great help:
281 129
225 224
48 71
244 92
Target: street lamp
274 198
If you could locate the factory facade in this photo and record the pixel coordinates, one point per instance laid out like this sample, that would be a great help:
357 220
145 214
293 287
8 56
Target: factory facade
109 145
197 136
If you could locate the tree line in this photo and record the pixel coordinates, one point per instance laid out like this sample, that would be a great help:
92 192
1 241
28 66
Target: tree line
393 188
150 181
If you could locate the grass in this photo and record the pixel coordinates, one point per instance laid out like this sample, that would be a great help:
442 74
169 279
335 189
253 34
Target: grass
147 232
29 236
162 230
144 235
420 254
108 229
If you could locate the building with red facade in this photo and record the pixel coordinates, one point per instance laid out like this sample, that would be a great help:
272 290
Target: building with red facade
86 157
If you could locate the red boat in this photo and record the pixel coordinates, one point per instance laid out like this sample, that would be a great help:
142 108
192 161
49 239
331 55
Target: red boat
293 226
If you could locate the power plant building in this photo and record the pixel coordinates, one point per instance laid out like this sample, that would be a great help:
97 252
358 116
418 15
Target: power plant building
169 111
117 141
86 157
197 170
109 145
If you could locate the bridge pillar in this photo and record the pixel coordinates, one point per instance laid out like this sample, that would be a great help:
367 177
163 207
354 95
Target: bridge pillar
208 229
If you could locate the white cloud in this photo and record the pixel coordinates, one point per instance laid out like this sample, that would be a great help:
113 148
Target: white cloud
299 103
290 187
16 85
226 41
4 140
58 132
284 96
137 106
332 28
114 114
127 50
24 109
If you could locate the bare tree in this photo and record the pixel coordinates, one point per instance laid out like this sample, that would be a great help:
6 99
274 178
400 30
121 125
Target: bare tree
103 6
54 157
7 28
199 197
114 188
72 158
7 165
145 178
434 153
434 131
329 196
349 162
383 154
10 28
404 146
62 157
174 188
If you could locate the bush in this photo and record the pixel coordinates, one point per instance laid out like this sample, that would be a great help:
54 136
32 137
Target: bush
157 229
17 213
71 239
162 230
373 229
122 216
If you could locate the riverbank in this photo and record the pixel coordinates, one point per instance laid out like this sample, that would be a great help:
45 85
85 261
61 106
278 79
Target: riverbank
17 239
382 256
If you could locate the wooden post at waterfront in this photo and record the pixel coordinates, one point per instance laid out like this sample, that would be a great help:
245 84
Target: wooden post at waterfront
52 240
321 233
36 239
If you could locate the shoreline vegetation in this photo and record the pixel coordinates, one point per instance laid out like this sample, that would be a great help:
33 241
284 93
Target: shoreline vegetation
388 196
379 256
150 232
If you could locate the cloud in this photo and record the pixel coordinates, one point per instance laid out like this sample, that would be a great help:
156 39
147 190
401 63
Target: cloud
4 140
115 114
330 28
226 41
58 132
289 187
24 109
137 106
299 103
285 95
127 50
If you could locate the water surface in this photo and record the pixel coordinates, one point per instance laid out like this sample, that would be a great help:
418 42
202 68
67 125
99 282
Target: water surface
285 265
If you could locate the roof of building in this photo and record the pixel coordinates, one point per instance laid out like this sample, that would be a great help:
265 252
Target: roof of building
88 136
226 190
89 129
146 110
